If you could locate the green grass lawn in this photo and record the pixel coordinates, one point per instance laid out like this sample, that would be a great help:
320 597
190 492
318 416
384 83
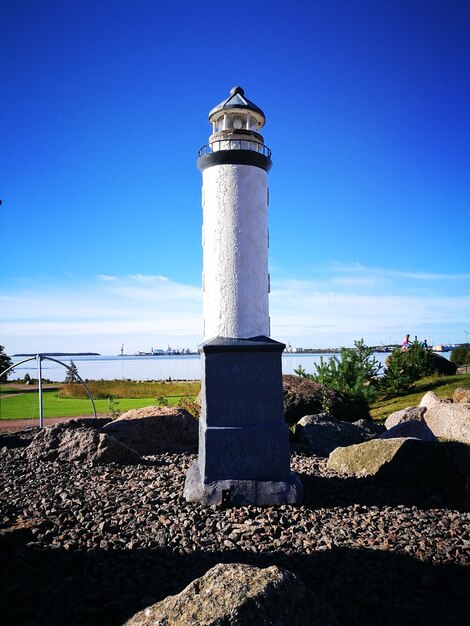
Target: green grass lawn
57 404
26 406
442 386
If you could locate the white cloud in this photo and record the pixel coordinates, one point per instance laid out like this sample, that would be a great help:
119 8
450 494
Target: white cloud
358 271
144 310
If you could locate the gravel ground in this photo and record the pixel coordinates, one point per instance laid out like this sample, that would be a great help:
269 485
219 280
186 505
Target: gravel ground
94 545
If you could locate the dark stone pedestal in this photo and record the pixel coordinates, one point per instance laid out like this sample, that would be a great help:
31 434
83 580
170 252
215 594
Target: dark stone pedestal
244 453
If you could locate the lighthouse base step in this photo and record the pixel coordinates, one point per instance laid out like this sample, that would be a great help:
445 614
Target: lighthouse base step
244 452
242 492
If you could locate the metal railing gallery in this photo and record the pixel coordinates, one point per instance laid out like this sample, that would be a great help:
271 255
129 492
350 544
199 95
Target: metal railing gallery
234 144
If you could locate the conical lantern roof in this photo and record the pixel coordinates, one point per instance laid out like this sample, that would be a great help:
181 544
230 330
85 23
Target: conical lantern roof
237 100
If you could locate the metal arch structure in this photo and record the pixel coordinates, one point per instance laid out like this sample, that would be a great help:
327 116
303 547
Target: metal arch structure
40 358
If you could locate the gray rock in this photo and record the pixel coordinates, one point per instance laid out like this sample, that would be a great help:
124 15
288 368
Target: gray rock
442 365
154 429
405 461
411 413
70 442
413 428
447 420
241 595
370 428
321 433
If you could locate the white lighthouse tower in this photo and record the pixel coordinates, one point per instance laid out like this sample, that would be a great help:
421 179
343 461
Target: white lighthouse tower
244 454
235 167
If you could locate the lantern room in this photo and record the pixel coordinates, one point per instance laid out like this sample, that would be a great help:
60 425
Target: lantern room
236 114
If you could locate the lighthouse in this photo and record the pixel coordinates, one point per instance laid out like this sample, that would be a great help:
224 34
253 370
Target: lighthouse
244 454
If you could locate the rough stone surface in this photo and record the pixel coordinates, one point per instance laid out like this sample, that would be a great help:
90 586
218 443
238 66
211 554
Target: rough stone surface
462 395
412 428
430 400
235 251
69 441
104 542
443 365
153 429
403 460
307 397
447 420
371 429
321 434
415 413
238 594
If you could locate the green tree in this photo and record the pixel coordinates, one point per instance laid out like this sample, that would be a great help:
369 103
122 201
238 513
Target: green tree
353 373
405 367
5 363
461 355
72 374
300 371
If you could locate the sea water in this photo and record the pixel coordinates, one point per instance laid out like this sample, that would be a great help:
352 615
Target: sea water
175 367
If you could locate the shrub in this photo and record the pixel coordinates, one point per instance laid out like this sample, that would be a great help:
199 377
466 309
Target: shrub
461 355
162 401
188 403
113 411
353 373
405 367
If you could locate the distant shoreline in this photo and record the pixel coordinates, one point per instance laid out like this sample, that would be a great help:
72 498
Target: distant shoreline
62 354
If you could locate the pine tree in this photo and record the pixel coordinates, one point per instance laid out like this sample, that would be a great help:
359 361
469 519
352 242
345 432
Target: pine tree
5 363
72 374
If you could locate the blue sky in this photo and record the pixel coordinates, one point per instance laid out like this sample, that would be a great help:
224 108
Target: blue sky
103 107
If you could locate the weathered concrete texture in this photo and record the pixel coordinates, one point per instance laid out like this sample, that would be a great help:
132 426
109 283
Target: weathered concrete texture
242 492
248 453
242 434
447 420
235 245
239 594
153 429
70 442
241 382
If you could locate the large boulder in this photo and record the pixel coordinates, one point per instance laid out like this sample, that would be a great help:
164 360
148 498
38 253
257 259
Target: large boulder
241 595
407 462
321 434
155 429
442 365
447 420
69 441
413 428
411 413
303 396
462 395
